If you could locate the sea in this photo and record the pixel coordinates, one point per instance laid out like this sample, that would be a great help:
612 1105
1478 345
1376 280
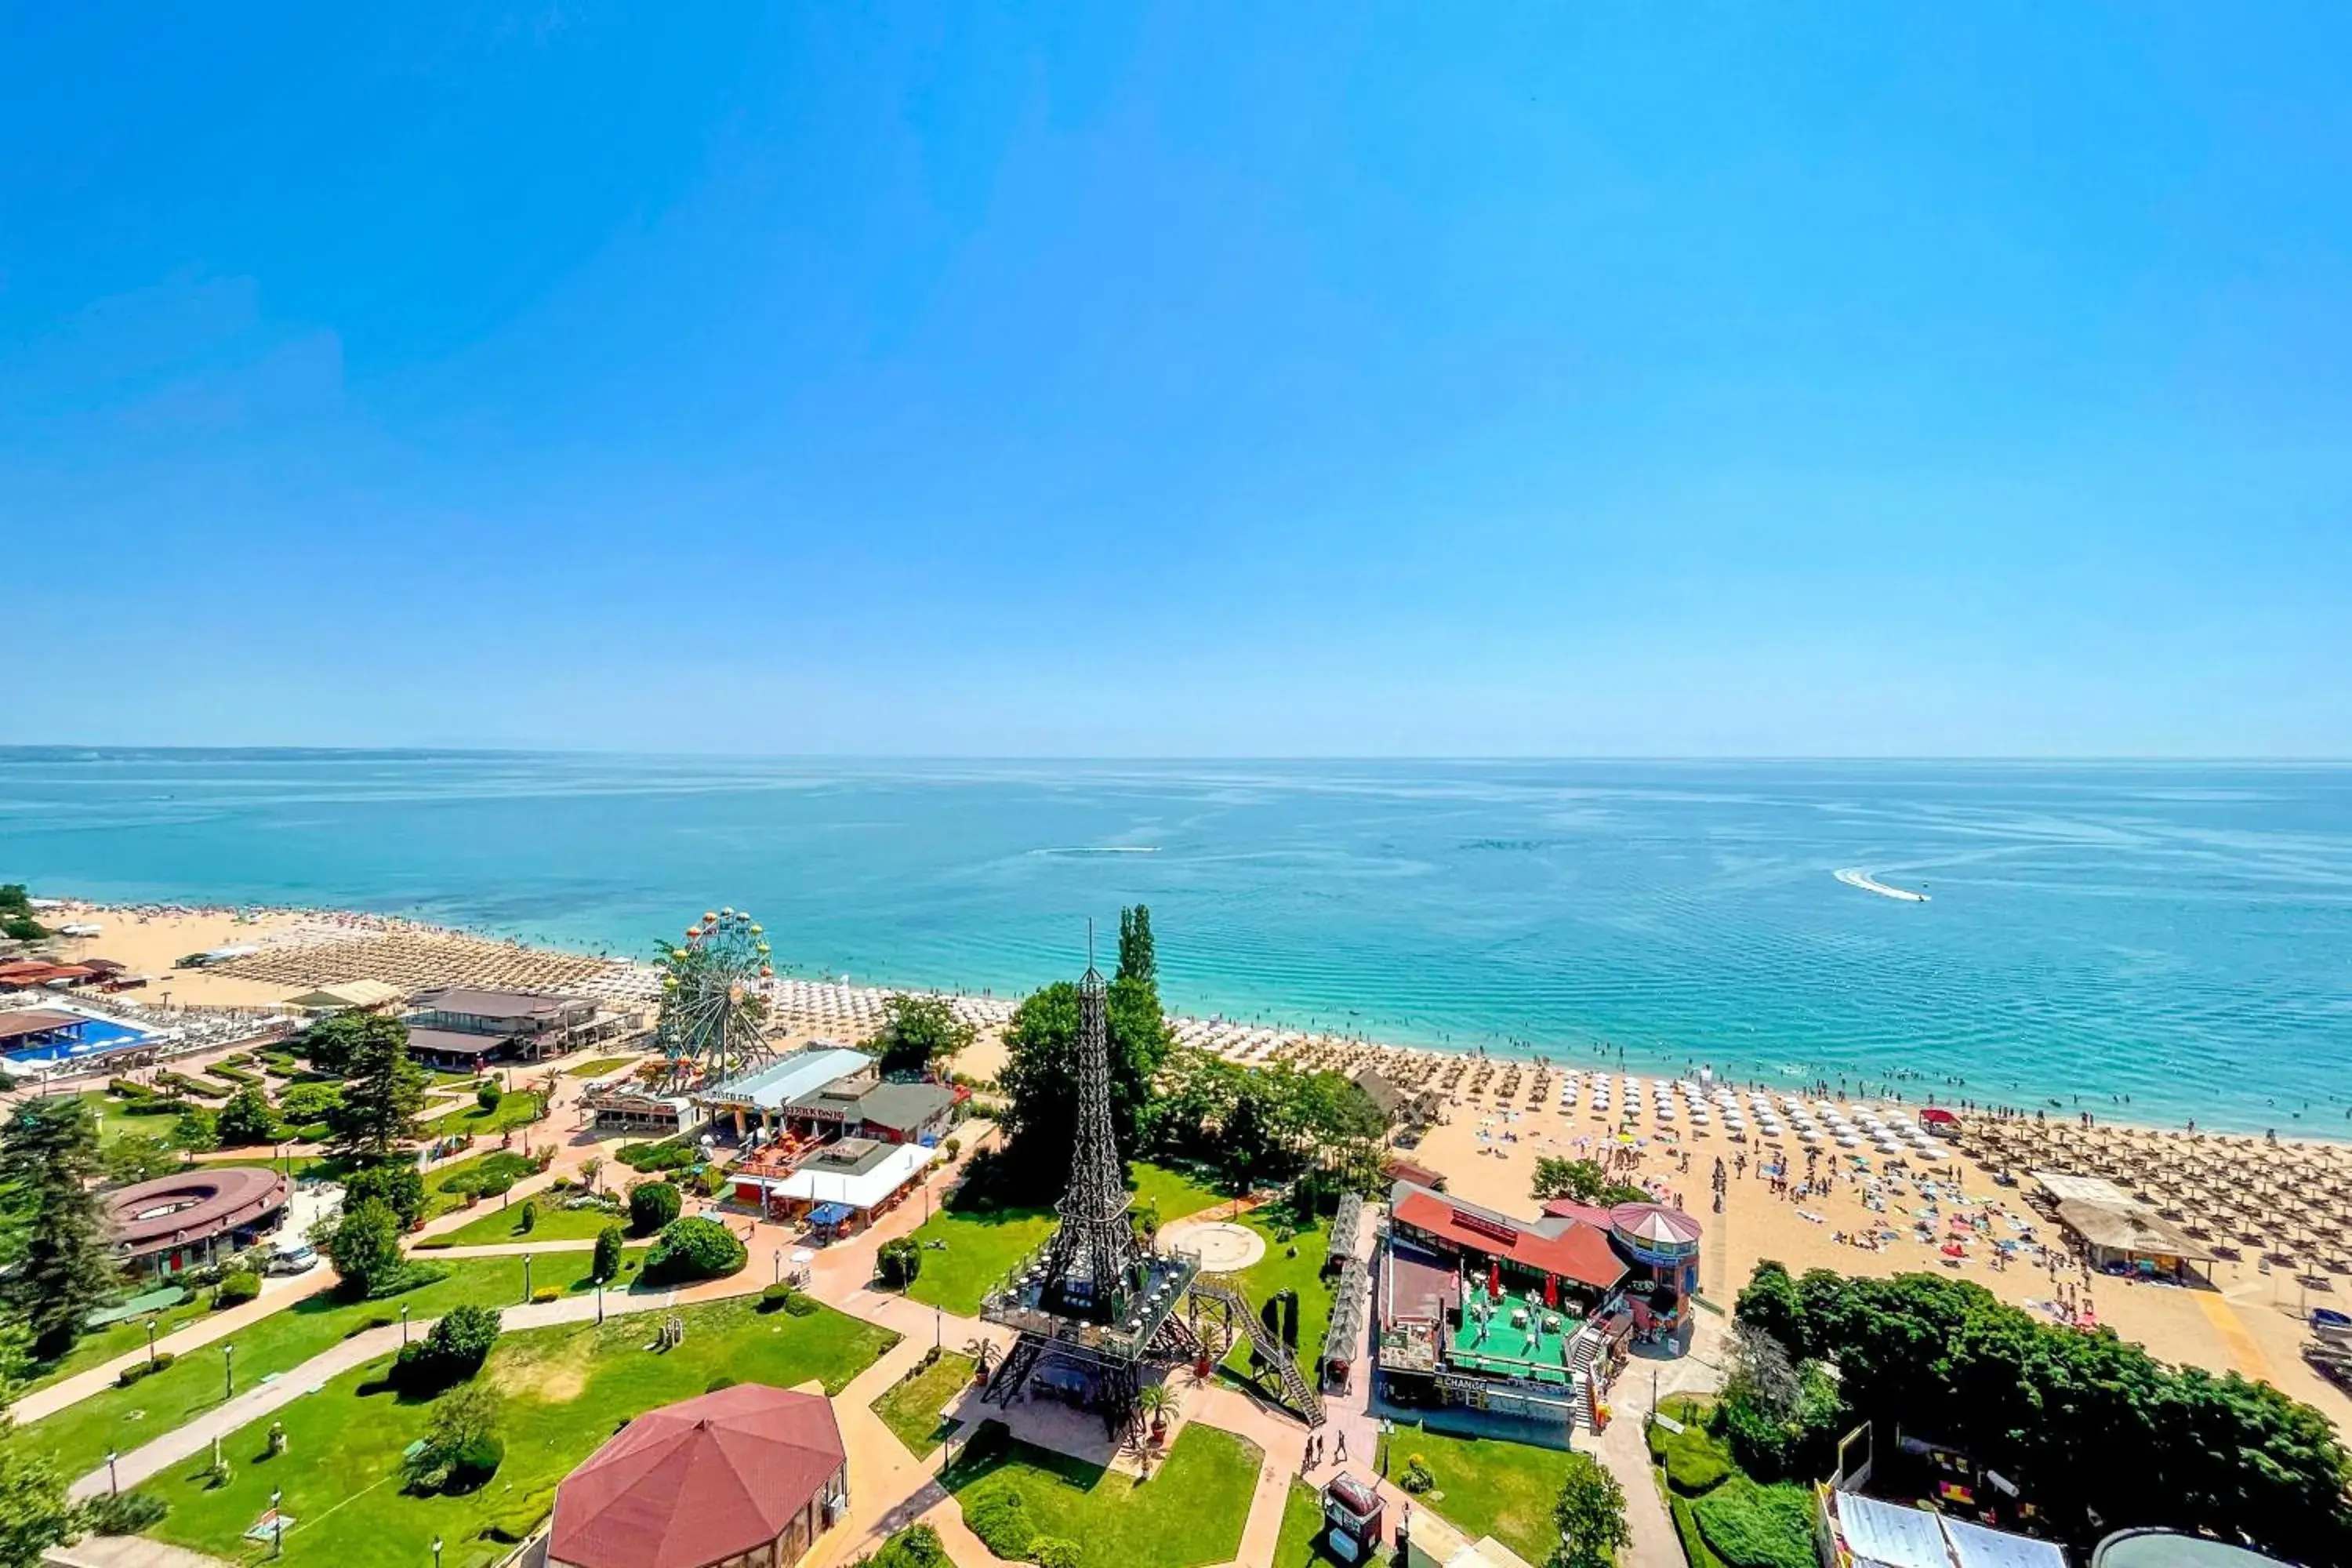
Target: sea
2152 942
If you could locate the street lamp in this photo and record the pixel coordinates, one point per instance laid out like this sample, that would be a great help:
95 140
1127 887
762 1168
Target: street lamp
403 1325
150 1341
436 1552
780 1267
600 1302
229 1368
113 1482
277 1523
525 1276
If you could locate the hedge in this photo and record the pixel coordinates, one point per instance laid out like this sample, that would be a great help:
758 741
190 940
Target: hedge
694 1248
1752 1526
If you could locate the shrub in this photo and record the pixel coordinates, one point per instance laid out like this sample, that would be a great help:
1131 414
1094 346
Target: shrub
453 1351
1000 1517
778 1297
694 1248
364 1247
953 1146
545 1294
917 1546
803 1305
898 1262
396 1184
472 1464
137 1369
1418 1478
461 1448
606 1267
528 1221
124 1513
1053 1552
236 1289
487 1097
716 1384
652 1205
670 1155
128 1088
1752 1526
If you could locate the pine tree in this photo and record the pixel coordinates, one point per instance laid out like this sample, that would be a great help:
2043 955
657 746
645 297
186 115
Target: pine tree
48 1154
1137 958
382 1095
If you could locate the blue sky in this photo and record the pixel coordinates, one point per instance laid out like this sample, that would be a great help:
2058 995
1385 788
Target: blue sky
1202 379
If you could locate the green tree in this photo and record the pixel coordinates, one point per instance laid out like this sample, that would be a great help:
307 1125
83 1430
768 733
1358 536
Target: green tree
898 1262
1137 959
1583 1181
196 1131
16 922
1039 1077
245 1119
364 1247
301 1104
919 1034
139 1157
336 1044
652 1205
50 1157
1590 1514
382 1091
34 1512
396 1182
606 1267
462 1444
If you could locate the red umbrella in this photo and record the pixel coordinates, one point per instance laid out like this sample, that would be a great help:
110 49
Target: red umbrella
1552 1290
1493 1280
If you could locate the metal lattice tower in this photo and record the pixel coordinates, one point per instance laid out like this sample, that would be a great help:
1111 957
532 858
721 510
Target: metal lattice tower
1093 1257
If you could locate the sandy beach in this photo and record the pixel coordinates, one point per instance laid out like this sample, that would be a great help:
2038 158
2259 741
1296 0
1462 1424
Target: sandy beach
1500 1116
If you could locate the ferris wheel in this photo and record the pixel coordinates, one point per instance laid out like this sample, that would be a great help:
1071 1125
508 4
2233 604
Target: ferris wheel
714 998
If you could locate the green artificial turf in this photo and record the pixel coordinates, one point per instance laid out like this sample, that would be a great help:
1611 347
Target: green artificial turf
567 1389
912 1406
1189 1511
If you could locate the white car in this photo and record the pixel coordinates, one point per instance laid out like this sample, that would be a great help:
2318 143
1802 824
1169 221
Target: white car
292 1258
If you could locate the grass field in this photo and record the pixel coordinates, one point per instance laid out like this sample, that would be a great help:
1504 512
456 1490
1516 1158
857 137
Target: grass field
1278 1272
518 1109
77 1437
567 1389
116 1339
1189 1512
911 1406
1488 1486
980 1248
439 1199
596 1066
497 1225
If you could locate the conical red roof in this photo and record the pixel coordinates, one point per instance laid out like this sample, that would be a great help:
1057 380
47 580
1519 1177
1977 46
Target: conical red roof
698 1482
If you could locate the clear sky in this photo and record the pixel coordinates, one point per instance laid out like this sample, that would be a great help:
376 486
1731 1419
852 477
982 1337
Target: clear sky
1571 379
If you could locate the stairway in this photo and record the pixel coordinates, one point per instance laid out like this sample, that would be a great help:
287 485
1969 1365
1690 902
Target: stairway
1297 1387
1584 1378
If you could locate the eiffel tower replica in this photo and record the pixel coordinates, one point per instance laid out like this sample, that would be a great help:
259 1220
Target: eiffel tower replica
1095 1305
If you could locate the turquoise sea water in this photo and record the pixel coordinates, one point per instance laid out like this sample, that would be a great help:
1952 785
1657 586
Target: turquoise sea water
2179 934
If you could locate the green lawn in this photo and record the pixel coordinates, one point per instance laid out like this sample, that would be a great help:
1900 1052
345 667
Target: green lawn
438 1199
911 1406
596 1066
982 1247
518 1108
1190 1512
499 1224
1489 1487
78 1436
116 1339
567 1388
1276 1271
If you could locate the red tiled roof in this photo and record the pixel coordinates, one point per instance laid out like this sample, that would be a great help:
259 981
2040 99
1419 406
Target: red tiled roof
1568 1208
1577 1252
696 1482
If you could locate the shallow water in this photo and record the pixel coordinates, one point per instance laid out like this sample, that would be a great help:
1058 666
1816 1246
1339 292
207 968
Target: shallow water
2181 934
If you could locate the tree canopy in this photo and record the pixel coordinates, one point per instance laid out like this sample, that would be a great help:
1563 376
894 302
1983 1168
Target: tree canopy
2099 1434
919 1034
1040 1077
49 1161
383 1089
1137 959
1583 1181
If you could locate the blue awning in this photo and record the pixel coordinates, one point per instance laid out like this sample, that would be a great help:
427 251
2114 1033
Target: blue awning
829 1214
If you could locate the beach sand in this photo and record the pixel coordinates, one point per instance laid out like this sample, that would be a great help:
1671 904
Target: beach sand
2252 1322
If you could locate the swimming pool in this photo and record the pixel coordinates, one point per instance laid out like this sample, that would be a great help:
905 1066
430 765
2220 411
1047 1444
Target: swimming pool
97 1036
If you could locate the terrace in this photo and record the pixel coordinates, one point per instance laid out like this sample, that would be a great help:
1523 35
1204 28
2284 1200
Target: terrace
1019 1304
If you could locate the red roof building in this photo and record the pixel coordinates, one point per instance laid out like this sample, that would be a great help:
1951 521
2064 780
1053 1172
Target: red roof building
747 1477
1563 1247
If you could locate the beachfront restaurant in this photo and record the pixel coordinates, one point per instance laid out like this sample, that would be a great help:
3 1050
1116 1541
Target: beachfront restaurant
1479 1309
757 1105
839 1188
465 1027
38 1041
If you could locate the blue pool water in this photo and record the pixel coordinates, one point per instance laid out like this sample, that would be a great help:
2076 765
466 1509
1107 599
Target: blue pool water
97 1036
2179 934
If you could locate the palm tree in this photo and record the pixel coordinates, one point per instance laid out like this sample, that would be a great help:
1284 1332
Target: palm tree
589 1169
985 1357
1155 1401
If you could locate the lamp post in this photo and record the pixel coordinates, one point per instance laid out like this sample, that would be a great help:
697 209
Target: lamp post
277 1523
113 1482
600 1303
228 1369
403 1325
150 1341
780 1267
525 1276
436 1552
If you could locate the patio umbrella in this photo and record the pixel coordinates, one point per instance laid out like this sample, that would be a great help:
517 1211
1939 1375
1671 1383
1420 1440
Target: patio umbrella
1494 1280
1551 1293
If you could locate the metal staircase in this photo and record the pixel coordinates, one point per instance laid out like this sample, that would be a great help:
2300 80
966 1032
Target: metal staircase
1297 1387
1013 1372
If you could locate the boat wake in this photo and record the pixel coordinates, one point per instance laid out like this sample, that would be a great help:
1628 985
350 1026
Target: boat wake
1089 849
1855 877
